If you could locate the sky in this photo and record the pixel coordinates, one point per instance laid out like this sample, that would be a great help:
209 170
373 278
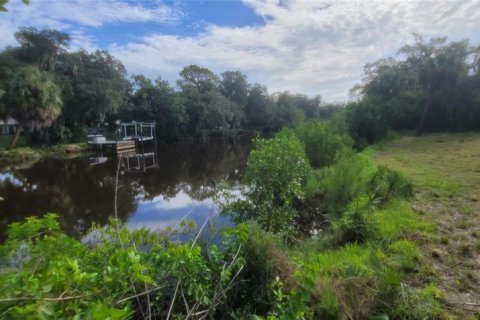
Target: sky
308 47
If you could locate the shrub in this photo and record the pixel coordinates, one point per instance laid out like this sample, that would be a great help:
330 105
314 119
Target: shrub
388 183
355 224
277 170
264 262
122 274
321 143
366 121
346 179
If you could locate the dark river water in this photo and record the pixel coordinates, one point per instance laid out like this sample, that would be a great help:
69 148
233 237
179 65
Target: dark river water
181 186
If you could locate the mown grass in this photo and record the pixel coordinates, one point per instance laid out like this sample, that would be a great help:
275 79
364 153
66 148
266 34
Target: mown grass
443 164
446 171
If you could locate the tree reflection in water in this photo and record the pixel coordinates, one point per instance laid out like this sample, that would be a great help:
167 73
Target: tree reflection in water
184 182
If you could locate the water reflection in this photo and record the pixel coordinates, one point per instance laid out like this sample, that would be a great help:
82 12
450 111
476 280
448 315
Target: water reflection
182 185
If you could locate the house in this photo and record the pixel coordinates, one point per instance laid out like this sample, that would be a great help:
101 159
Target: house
9 127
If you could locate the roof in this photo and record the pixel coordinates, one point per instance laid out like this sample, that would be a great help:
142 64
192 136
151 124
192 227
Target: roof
10 121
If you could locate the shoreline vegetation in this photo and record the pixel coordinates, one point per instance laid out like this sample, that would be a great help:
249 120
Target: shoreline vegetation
24 154
384 252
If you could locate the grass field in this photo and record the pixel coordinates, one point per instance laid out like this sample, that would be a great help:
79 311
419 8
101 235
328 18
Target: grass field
5 142
446 171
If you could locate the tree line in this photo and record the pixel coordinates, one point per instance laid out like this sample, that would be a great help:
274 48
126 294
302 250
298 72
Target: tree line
56 95
432 85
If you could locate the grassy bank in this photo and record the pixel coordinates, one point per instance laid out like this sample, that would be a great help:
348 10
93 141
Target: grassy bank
23 154
446 171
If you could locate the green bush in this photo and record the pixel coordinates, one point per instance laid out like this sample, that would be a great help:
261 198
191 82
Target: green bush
119 274
264 262
277 170
366 121
356 223
343 181
388 183
321 143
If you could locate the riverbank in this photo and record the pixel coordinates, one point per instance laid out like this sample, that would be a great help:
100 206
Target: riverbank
24 155
406 247
446 173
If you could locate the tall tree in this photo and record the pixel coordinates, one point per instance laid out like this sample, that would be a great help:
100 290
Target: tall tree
95 86
258 109
41 48
440 66
156 100
198 78
234 86
34 100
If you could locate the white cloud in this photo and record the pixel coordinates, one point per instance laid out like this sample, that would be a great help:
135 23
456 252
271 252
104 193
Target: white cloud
69 15
180 201
312 47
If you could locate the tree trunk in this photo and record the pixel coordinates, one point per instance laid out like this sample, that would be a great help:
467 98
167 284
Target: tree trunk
13 143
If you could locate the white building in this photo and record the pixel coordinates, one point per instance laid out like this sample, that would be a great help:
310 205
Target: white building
9 127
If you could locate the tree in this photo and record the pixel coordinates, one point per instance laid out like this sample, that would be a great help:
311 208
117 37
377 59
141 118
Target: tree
34 100
431 88
156 100
42 48
95 87
440 66
234 86
286 111
259 107
198 78
4 2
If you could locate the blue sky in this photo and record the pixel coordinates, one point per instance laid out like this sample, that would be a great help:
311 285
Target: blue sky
310 47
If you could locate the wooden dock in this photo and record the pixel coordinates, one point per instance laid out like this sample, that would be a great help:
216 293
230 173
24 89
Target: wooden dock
114 147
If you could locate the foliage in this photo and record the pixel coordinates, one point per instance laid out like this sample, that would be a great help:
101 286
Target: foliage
33 99
157 101
388 183
366 121
95 87
321 143
41 48
265 263
356 223
197 78
117 274
259 107
277 170
424 303
346 179
4 2
434 87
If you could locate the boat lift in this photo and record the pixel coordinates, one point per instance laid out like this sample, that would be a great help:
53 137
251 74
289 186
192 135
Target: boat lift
128 145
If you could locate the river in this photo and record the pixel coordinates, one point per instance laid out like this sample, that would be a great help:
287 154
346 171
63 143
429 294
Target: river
82 194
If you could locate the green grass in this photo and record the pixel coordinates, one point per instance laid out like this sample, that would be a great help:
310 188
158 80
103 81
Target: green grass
5 142
23 155
442 164
445 169
421 262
